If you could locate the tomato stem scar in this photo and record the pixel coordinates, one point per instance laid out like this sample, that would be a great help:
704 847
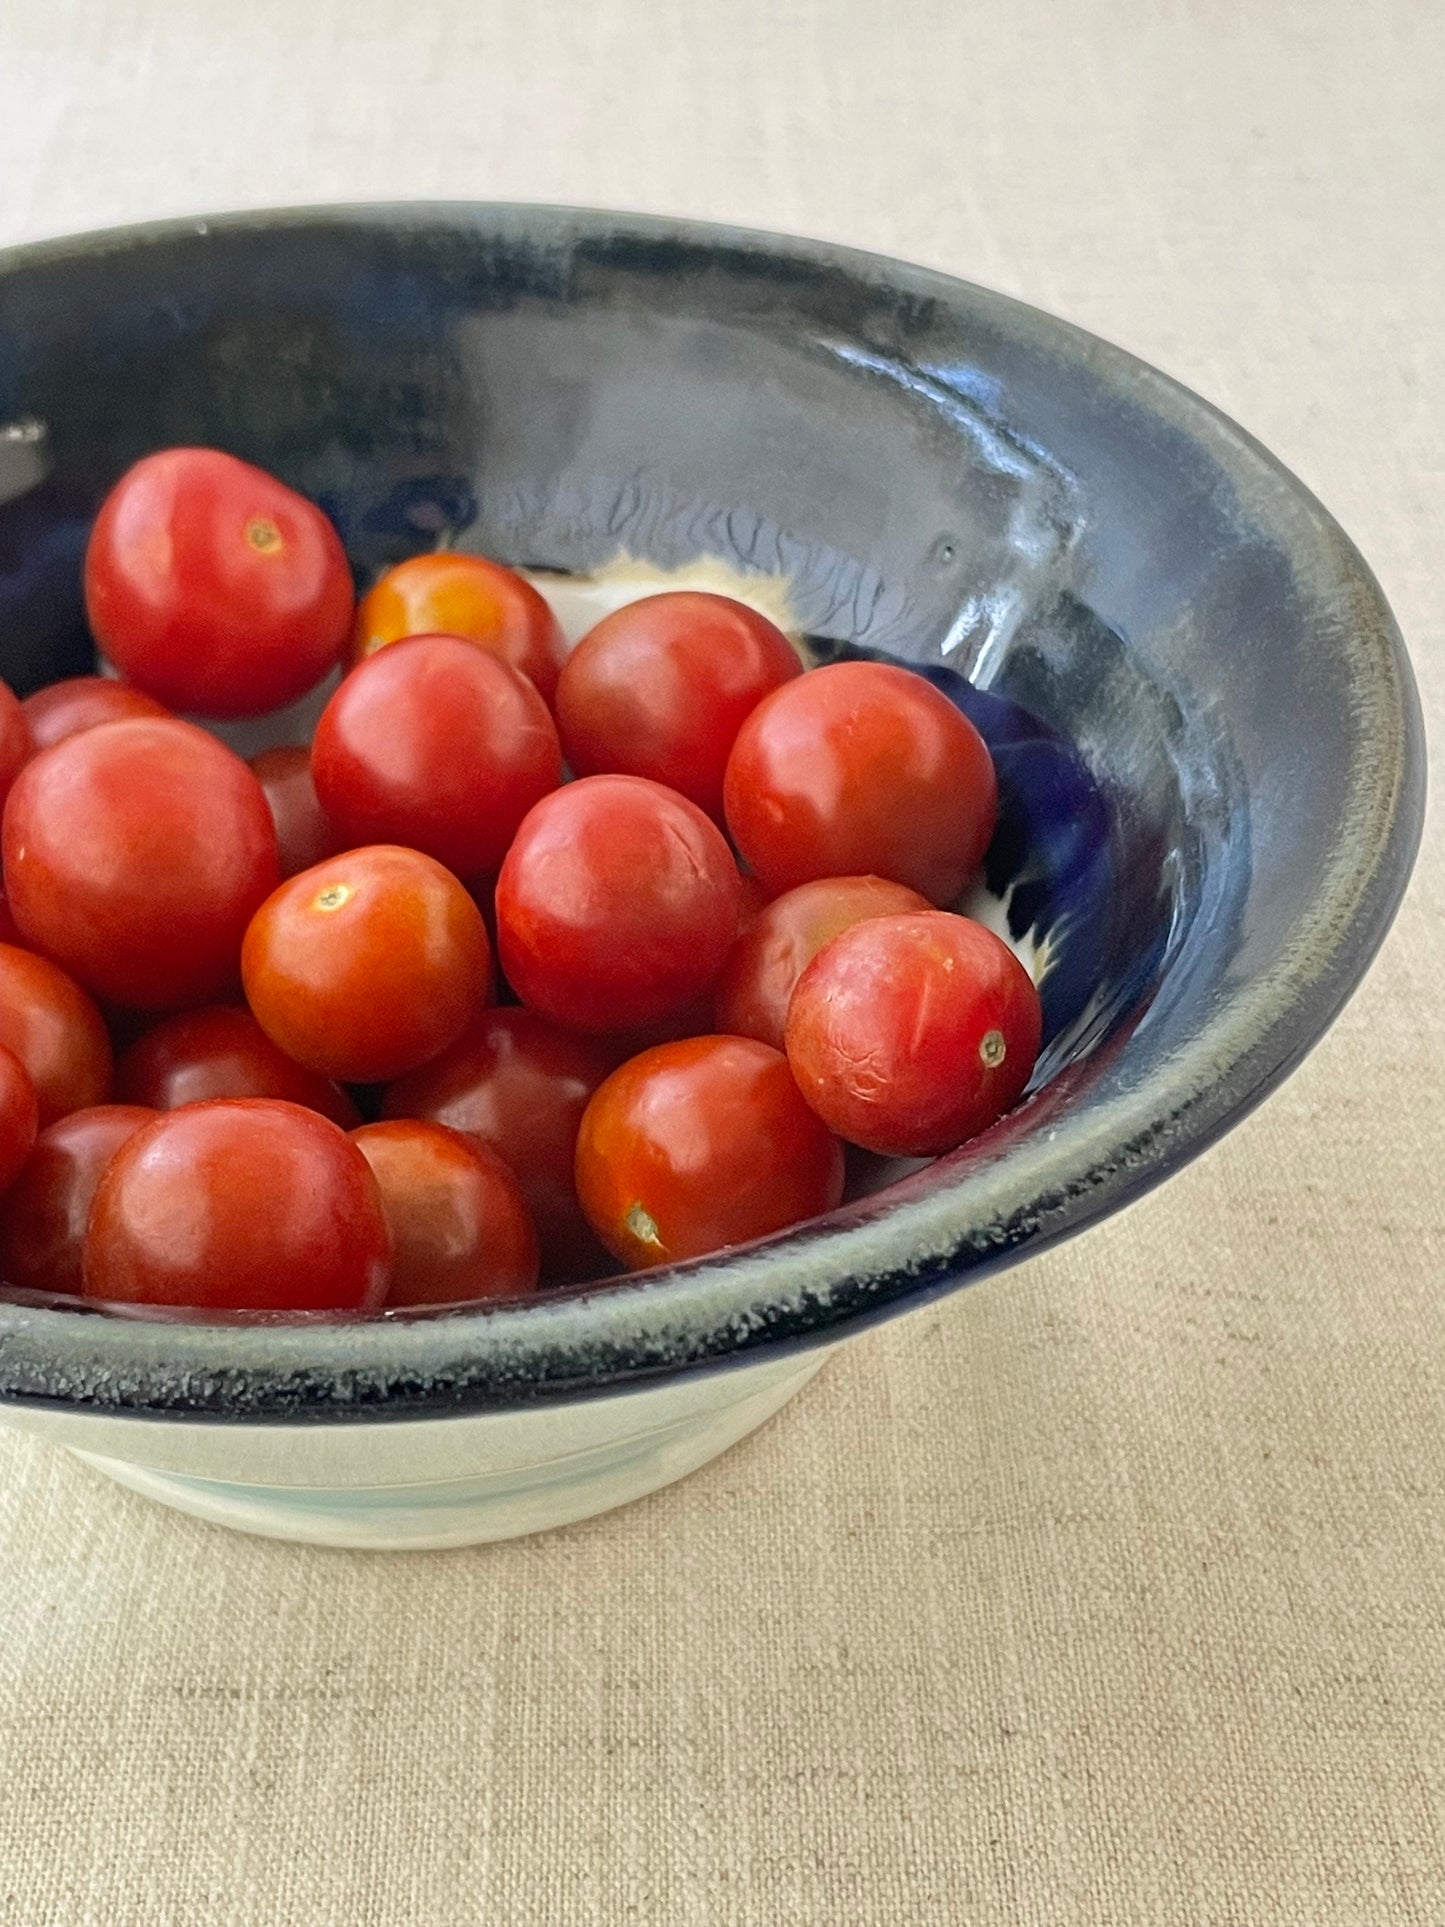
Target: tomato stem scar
642 1225
263 535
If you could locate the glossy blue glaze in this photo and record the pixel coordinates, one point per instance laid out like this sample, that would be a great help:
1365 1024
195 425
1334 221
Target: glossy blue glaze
1207 735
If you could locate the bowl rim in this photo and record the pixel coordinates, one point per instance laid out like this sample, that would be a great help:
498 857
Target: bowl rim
813 1285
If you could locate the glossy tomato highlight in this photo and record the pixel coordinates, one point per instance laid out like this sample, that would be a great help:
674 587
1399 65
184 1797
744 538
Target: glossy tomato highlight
135 855
661 688
616 904
214 587
438 745
859 769
696 1145
280 1213
367 965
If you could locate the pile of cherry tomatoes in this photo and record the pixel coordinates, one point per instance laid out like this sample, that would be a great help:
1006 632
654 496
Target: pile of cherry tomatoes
616 950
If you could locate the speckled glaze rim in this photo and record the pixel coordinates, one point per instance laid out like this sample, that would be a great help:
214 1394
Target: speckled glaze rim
817 1284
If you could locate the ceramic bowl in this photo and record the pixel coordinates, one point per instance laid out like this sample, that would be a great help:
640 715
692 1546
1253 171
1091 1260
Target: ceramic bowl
1208 738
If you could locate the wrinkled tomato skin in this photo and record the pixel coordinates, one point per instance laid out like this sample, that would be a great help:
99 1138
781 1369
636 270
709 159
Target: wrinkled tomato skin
910 1034
616 904
367 965
701 1144
662 687
484 603
518 1084
19 1116
214 587
767 960
44 1215
246 1205
57 1032
135 855
438 745
17 740
857 769
221 1051
304 832
64 709
460 1228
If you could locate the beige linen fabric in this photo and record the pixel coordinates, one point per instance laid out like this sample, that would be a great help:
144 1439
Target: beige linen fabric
1112 1592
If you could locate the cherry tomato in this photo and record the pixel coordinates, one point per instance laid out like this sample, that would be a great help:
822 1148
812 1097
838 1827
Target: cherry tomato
63 709
19 1116
56 1031
520 1085
616 904
135 854
908 1034
17 742
9 928
753 899
44 1214
768 959
239 1205
368 964
304 833
213 586
221 1052
701 1144
857 769
695 1019
459 1224
436 744
662 687
466 596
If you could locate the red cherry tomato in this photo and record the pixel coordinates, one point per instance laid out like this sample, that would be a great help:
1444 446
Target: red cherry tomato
466 596
17 743
19 1116
304 834
662 687
460 1228
135 854
753 899
693 1020
215 587
221 1052
520 1085
44 1214
9 928
768 959
861 769
367 965
436 744
64 709
56 1031
616 904
909 1034
701 1144
244 1205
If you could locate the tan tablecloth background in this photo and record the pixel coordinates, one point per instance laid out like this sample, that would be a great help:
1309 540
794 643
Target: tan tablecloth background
1113 1592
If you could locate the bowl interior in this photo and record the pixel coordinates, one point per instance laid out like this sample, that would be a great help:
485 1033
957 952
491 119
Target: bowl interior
1205 729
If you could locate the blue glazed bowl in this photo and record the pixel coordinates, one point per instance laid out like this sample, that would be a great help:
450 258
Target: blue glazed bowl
1208 737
